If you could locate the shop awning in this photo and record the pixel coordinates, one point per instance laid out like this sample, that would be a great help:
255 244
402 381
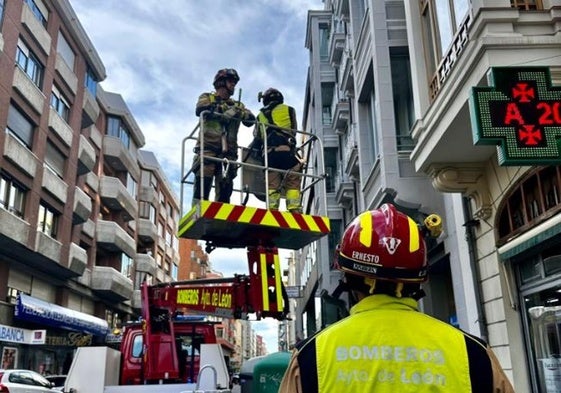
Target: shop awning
39 311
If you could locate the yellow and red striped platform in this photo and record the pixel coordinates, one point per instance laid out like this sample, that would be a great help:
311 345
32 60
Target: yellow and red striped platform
232 226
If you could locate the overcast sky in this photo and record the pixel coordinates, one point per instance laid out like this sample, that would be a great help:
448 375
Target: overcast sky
161 55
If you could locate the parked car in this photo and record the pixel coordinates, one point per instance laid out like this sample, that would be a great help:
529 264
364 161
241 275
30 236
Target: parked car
23 381
57 381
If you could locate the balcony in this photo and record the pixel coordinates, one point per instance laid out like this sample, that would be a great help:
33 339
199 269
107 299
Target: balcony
148 194
117 155
336 48
88 228
350 156
60 127
36 29
346 72
146 264
111 237
14 231
77 259
48 247
344 190
90 110
31 93
66 73
92 180
341 116
341 9
21 156
86 156
444 134
111 284
82 207
116 197
54 185
147 231
136 300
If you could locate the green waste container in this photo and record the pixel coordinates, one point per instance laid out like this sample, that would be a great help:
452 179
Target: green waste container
268 372
246 374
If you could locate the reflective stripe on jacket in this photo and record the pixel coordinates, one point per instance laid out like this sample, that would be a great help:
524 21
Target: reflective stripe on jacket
386 345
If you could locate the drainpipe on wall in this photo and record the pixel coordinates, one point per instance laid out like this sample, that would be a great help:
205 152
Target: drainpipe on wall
470 224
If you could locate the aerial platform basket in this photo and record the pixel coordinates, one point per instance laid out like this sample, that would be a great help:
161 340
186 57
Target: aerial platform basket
236 226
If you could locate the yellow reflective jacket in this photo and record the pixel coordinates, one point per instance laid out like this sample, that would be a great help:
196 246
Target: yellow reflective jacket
387 346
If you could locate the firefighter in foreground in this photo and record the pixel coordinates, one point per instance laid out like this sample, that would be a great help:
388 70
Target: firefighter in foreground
220 127
277 122
386 344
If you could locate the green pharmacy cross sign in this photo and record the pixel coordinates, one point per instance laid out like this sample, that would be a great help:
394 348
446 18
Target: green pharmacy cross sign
520 113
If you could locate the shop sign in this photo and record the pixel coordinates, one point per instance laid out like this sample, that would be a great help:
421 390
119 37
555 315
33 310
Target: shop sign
72 339
520 113
293 292
552 374
22 336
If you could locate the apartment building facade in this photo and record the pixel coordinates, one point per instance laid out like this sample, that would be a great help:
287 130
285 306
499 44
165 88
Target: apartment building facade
85 214
514 205
501 240
359 102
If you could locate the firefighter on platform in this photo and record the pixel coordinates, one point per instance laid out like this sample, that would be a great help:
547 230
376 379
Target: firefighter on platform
386 344
277 121
220 127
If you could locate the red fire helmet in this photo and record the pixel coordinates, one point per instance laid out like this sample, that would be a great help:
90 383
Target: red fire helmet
384 244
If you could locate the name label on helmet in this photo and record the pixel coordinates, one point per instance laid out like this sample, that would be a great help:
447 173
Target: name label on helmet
364 268
365 257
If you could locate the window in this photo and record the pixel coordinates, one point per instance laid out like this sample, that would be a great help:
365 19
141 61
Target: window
334 239
60 104
402 97
330 168
116 128
20 126
368 130
526 5
54 159
126 265
534 200
323 42
12 196
147 211
91 82
137 346
1 11
47 221
29 63
39 10
131 185
149 179
169 238
442 21
65 51
326 115
174 271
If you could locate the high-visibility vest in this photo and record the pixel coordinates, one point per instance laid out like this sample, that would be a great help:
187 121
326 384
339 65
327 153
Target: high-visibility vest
386 346
280 116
